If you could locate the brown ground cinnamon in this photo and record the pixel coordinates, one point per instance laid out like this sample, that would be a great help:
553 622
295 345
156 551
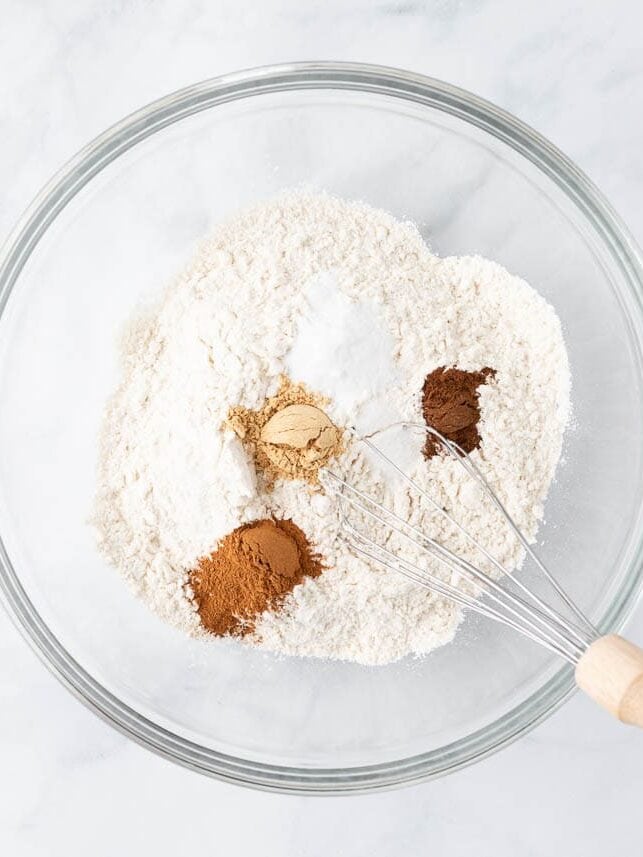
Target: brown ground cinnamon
450 405
253 570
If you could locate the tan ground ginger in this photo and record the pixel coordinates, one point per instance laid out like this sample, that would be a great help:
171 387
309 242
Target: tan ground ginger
290 437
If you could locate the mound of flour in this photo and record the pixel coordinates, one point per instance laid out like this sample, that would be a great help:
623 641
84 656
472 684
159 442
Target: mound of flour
349 301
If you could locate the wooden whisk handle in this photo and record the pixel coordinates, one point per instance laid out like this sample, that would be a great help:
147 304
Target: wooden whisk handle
611 673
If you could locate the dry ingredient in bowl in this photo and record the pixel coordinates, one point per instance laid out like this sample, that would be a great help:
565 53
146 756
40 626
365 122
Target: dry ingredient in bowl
450 405
252 570
355 307
290 436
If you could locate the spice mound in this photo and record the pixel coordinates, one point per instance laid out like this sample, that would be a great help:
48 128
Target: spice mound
450 405
253 570
290 437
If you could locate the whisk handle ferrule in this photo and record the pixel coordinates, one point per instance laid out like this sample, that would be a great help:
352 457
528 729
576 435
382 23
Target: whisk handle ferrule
610 671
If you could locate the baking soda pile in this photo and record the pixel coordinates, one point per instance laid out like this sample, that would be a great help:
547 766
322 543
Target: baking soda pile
349 302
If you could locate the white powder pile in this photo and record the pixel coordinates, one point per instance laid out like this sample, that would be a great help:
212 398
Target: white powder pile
350 302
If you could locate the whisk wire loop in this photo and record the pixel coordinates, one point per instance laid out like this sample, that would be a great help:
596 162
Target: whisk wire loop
583 636
414 573
527 613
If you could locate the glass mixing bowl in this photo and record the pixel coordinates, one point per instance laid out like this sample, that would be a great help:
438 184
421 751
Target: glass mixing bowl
109 231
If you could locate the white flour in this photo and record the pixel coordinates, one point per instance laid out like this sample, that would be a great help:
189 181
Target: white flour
352 303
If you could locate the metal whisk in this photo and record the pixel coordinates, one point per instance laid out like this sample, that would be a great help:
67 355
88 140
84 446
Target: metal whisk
608 668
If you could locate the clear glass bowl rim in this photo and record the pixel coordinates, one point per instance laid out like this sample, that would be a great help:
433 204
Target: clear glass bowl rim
409 87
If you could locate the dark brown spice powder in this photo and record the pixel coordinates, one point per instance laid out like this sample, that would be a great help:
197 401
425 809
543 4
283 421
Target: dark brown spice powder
450 405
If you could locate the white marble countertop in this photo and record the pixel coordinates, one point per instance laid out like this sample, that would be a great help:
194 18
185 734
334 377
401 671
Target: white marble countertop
68 68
